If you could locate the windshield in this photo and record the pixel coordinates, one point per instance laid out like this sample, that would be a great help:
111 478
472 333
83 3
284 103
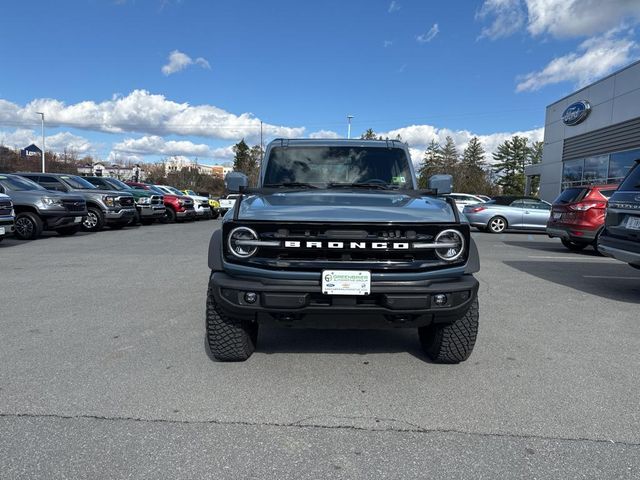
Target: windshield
190 192
571 195
77 182
117 184
175 191
18 184
155 189
321 166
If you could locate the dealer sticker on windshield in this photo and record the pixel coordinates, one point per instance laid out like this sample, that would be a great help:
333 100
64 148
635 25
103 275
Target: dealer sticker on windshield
346 282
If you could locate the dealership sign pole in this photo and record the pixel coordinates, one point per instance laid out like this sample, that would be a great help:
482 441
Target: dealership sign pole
42 115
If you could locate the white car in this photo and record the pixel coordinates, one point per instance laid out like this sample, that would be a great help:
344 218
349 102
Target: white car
200 203
227 202
464 199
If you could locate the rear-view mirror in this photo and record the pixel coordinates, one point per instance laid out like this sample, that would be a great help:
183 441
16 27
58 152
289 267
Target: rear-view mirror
441 184
234 181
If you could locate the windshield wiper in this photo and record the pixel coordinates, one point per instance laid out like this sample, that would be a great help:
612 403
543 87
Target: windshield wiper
289 184
379 186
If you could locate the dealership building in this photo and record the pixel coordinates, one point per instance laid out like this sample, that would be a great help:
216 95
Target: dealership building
591 136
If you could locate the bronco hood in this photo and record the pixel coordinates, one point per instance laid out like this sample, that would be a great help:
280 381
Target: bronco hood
345 206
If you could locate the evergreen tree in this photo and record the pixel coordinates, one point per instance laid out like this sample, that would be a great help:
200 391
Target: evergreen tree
242 158
431 163
449 156
471 175
511 157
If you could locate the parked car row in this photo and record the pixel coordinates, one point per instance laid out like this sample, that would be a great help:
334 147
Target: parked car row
31 203
606 217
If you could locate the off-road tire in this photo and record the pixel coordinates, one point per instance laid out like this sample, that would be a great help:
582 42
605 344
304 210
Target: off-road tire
497 224
94 214
68 231
28 226
451 343
135 220
574 246
229 339
214 214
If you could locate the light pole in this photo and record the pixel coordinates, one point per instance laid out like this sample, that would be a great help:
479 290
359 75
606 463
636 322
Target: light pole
42 115
349 117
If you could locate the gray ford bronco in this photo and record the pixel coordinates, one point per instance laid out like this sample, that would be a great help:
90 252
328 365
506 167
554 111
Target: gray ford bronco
337 235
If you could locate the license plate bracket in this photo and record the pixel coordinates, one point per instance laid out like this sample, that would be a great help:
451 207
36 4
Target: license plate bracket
346 282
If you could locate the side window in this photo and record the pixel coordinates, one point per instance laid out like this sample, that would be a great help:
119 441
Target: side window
517 204
51 183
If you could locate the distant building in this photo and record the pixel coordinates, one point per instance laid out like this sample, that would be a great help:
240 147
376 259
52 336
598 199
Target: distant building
177 163
100 169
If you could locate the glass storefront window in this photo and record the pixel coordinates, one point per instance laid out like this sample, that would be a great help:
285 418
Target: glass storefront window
596 169
620 164
572 172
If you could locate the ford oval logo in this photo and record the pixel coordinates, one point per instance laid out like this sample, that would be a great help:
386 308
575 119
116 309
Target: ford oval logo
576 113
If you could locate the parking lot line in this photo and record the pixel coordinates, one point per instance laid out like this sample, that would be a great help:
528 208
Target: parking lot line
558 257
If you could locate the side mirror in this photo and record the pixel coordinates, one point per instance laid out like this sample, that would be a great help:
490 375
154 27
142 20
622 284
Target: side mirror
441 184
234 181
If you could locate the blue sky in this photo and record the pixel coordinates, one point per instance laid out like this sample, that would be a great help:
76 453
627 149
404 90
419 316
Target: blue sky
424 69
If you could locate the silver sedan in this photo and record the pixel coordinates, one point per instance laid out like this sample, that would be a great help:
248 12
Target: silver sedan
506 212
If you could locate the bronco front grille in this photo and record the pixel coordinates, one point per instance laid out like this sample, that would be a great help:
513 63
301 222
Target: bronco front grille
327 246
74 205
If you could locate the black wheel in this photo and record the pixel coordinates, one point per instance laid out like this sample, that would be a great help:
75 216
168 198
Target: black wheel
594 244
229 339
215 214
452 343
28 226
497 224
170 215
94 221
135 220
68 231
574 246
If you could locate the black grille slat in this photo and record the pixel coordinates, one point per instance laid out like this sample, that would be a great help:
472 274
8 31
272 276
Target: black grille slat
5 208
74 205
125 201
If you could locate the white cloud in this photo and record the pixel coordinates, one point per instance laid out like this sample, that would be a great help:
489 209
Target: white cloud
179 61
394 6
387 43
508 17
156 145
58 142
595 58
324 134
430 35
558 18
572 18
419 136
146 113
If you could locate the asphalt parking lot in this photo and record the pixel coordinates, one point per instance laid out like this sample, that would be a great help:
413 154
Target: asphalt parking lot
104 374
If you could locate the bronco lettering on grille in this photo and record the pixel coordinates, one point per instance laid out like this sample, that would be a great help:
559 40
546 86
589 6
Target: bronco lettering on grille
347 245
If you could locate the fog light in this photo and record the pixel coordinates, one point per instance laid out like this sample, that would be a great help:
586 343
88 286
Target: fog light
440 299
250 297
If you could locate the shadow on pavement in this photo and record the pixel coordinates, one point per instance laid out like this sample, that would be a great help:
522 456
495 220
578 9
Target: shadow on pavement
554 247
615 281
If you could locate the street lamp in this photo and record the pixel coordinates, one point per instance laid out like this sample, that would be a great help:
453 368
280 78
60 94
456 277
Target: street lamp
42 115
349 117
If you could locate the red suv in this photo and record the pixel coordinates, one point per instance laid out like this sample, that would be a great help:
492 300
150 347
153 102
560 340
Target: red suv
577 215
178 207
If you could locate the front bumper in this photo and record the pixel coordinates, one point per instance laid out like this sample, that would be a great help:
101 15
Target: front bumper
623 250
151 211
120 215
186 214
54 221
572 233
301 302
7 225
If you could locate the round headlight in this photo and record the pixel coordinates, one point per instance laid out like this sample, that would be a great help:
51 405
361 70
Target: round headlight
236 242
455 245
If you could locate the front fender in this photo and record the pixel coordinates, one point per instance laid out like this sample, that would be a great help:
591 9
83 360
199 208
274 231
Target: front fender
215 251
473 263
